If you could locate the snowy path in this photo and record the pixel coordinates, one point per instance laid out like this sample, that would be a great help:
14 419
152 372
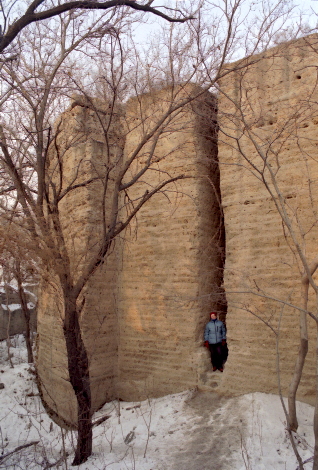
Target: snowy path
213 434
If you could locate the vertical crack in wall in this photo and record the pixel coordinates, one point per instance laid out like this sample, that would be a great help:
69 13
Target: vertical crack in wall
207 129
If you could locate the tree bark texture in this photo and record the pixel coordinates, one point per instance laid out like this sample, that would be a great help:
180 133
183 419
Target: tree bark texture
305 281
78 369
303 349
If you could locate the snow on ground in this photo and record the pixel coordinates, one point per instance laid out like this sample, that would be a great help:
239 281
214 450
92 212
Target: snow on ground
186 431
13 307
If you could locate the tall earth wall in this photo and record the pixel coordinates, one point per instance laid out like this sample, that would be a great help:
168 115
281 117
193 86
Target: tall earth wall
146 306
172 254
268 118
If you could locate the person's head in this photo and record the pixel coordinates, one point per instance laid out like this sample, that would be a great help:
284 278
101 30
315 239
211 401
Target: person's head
213 315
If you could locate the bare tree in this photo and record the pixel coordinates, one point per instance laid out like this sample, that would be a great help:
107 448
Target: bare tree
38 174
36 184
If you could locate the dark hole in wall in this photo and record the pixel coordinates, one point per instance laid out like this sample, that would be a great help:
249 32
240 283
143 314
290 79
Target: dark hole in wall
218 296
221 300
207 128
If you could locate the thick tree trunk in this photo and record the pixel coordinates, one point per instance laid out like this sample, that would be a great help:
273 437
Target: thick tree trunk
292 413
28 339
8 325
78 368
303 349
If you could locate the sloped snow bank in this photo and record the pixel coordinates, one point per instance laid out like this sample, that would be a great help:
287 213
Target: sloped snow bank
186 431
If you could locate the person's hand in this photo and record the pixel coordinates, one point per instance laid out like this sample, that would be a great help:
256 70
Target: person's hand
223 342
206 344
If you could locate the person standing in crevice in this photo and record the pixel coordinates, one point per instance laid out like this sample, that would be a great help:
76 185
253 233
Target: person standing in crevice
215 341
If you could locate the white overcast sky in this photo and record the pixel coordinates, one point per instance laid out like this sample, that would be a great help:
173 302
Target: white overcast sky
144 31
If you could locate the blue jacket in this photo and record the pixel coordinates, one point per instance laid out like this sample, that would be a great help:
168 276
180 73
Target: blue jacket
214 331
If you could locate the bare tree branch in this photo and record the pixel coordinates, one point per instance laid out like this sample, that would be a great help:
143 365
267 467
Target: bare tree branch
30 16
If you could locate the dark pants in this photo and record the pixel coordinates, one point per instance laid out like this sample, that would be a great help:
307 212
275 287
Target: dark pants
216 355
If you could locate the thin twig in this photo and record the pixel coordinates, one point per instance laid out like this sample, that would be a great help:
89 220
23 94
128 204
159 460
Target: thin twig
17 449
